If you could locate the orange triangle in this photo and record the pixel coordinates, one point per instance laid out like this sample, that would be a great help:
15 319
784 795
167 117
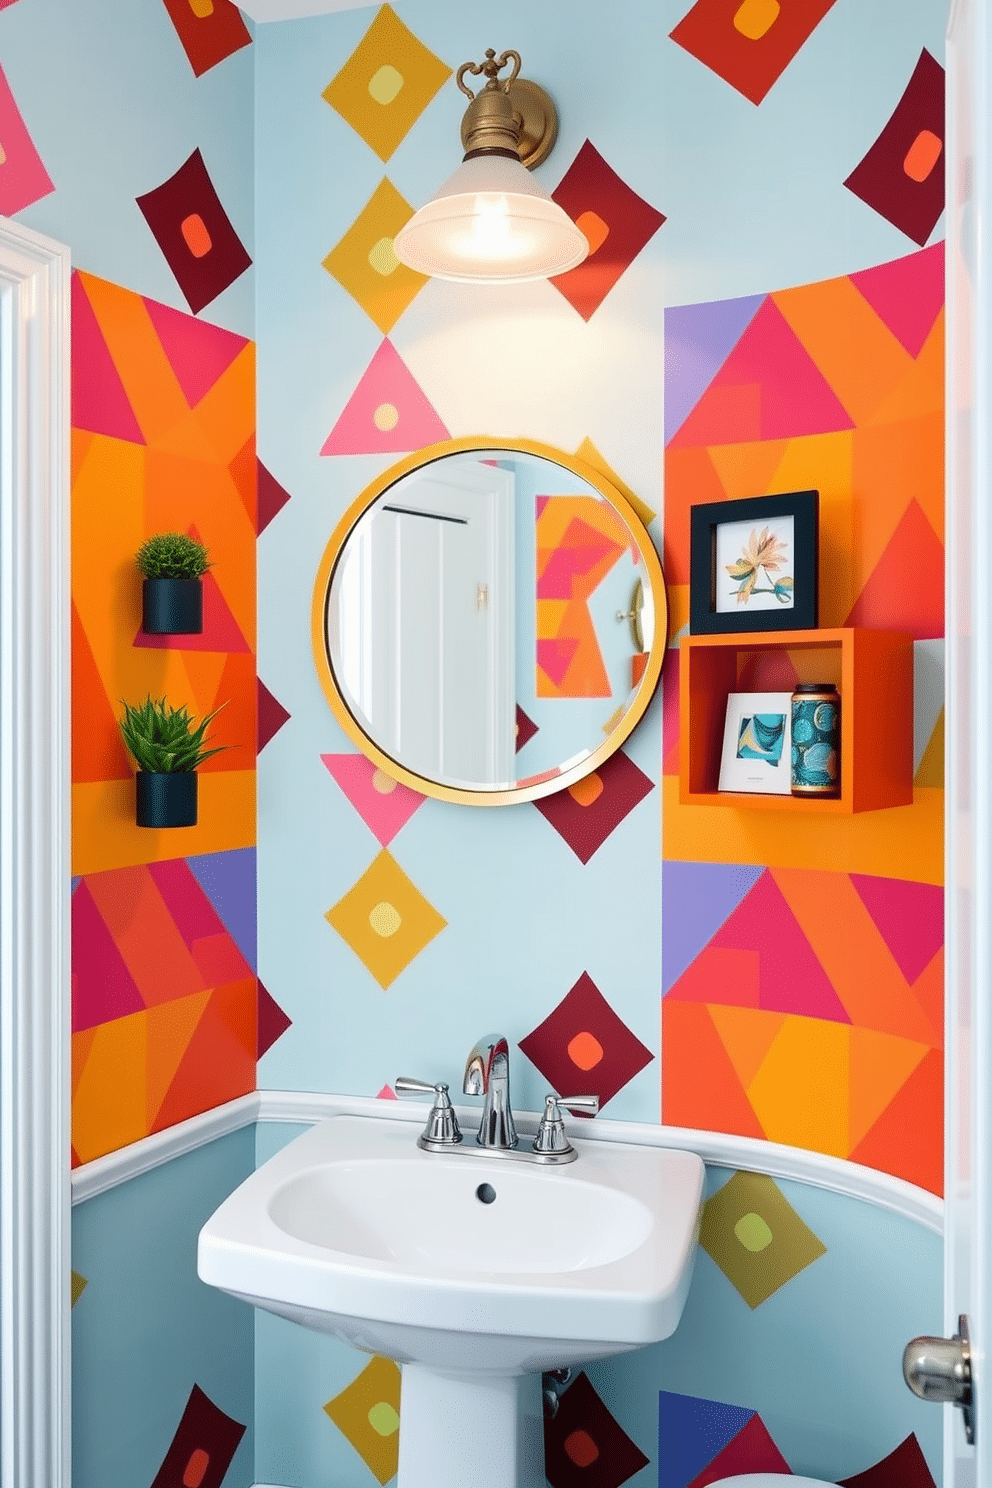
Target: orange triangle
204 670
908 1138
243 470
747 469
920 391
888 601
928 989
171 1026
82 1043
880 1064
218 1064
699 1088
98 751
930 770
747 1035
235 726
82 440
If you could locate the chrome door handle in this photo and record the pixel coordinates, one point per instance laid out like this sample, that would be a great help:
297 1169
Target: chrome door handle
939 1369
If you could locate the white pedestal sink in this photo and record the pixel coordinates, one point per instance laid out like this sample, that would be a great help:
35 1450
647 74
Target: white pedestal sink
473 1273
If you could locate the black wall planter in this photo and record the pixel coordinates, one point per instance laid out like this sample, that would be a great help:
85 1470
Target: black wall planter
172 606
166 800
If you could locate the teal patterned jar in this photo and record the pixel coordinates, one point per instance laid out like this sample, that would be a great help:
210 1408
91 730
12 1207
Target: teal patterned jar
815 740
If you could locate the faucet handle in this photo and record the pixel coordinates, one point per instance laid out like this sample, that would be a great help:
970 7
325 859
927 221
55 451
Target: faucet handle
551 1136
442 1129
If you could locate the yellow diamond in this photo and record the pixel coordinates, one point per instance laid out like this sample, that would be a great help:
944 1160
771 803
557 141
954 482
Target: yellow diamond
361 265
367 1412
385 919
386 83
756 1237
79 1285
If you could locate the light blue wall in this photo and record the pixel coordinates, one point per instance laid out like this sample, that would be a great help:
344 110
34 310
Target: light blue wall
145 1329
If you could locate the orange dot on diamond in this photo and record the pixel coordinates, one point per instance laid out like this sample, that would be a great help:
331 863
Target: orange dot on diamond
195 235
755 18
594 228
584 792
584 1050
580 1448
196 1468
922 155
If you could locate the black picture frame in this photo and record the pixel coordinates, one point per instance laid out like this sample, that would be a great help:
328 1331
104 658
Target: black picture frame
704 617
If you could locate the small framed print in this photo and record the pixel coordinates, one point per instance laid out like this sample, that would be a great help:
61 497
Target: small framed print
757 748
754 564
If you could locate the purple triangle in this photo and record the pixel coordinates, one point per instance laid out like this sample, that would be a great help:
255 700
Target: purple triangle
698 340
691 1432
228 880
696 898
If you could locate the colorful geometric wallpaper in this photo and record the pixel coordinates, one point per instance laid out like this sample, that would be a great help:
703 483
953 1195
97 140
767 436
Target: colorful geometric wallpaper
164 990
810 1037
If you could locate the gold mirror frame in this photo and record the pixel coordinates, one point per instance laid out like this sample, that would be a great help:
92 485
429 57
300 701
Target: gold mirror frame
322 588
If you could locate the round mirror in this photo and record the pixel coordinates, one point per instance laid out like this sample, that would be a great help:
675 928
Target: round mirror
489 621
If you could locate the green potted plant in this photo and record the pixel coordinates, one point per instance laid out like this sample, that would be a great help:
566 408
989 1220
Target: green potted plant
167 750
173 566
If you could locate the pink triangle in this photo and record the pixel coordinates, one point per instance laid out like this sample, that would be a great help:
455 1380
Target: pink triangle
386 1094
271 715
791 978
99 402
198 352
272 497
768 388
908 916
220 629
192 912
752 1450
272 1021
384 812
102 987
554 658
388 388
906 294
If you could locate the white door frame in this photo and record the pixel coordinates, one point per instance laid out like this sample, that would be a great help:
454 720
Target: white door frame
35 1357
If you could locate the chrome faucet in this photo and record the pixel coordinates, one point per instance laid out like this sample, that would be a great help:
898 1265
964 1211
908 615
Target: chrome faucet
487 1073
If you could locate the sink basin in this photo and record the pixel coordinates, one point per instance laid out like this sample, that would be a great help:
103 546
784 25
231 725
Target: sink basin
462 1266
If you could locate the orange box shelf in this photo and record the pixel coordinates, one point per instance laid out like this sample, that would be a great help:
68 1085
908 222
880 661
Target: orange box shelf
873 672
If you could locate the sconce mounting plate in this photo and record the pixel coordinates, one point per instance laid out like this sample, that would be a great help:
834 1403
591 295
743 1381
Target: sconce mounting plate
539 129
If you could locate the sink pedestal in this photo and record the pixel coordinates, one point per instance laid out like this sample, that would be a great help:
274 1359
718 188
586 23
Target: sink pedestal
457 1430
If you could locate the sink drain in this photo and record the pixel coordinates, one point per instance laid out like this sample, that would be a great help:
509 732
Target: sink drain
485 1193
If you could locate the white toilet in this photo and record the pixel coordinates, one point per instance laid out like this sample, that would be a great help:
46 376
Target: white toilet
769 1480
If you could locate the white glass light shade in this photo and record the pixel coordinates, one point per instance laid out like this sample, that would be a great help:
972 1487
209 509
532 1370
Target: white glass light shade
490 223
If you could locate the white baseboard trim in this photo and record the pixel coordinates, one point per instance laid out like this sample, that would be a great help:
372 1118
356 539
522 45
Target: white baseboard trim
744 1154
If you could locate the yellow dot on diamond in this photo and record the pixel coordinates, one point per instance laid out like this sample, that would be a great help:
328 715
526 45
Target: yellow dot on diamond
753 1232
385 84
202 8
386 417
384 1418
382 257
385 919
382 783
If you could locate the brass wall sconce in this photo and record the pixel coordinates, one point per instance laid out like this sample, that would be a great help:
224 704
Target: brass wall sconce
491 222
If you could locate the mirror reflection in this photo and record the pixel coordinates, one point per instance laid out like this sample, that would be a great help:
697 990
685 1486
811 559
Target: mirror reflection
490 619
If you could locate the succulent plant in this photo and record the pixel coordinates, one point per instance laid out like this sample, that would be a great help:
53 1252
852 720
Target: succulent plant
162 739
172 555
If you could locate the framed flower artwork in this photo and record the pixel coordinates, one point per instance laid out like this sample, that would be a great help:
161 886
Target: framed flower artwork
753 564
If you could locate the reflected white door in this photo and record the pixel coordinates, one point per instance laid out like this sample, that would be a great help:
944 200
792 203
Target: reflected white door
442 627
